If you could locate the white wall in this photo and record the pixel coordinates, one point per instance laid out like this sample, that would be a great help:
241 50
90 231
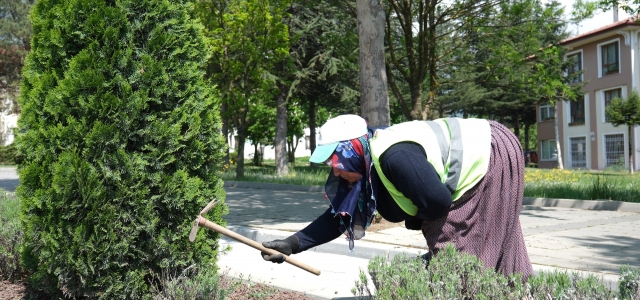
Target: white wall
269 151
8 122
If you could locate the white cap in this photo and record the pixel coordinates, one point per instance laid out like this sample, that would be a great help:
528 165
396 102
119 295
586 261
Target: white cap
338 129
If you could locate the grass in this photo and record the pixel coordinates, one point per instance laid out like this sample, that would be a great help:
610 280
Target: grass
582 184
540 183
11 237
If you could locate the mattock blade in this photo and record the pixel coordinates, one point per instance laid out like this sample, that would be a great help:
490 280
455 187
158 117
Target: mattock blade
194 231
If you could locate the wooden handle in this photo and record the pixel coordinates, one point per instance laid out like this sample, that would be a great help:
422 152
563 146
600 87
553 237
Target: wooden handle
251 243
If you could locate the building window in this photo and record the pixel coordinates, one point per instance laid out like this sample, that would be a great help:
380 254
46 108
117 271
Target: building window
608 96
576 111
610 59
578 152
575 67
614 149
549 150
546 112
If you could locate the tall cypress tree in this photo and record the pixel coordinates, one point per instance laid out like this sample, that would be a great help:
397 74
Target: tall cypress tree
121 142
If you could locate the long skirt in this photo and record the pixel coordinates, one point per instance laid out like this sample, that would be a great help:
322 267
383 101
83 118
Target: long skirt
485 220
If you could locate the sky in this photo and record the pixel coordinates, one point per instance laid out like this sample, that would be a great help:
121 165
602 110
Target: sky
599 20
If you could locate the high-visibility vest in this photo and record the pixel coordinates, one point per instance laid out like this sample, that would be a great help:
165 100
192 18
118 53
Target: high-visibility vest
458 149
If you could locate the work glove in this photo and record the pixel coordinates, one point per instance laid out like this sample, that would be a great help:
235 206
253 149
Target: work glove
287 246
413 224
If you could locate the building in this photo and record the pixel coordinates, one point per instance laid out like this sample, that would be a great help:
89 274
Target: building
609 58
269 152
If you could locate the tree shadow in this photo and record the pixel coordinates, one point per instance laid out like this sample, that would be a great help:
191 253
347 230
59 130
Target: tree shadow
616 249
267 207
536 212
9 184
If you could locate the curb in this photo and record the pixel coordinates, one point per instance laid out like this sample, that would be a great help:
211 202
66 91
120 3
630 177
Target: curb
605 205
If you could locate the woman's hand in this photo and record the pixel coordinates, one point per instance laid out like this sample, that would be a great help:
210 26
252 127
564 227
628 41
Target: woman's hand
286 247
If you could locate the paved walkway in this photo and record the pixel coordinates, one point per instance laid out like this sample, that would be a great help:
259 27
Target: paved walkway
594 237
569 238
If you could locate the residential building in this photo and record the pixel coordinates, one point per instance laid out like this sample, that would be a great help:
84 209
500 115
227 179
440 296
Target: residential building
609 59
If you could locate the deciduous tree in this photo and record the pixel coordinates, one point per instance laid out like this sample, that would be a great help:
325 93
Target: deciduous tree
15 43
248 38
626 112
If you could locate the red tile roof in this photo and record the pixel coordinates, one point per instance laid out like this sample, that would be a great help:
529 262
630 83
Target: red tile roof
631 21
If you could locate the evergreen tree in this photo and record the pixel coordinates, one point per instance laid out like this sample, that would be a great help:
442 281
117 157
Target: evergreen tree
121 144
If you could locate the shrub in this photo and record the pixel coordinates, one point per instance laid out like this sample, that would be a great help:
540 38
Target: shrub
194 284
450 275
8 155
11 237
629 283
120 139
455 275
561 285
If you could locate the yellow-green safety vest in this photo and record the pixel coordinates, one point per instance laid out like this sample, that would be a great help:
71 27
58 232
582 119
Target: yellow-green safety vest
458 149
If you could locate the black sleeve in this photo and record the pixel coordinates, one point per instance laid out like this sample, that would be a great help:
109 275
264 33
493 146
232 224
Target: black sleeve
324 229
406 166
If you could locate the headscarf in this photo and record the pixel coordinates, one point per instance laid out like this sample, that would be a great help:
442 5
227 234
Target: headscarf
354 204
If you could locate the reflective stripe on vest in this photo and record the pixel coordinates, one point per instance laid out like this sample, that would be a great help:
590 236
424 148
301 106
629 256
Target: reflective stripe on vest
443 141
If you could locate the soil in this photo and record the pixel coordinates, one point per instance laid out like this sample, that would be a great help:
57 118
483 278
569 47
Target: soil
19 290
383 224
12 291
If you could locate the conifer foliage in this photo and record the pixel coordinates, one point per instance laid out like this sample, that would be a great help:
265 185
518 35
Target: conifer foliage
121 142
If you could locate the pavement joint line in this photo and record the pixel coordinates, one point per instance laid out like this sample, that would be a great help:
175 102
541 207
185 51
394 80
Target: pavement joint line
580 225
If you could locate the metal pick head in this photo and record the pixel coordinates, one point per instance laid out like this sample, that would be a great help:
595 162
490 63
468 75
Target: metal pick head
194 230
208 207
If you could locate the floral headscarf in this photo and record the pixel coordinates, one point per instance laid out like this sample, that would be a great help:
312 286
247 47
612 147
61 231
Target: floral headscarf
354 204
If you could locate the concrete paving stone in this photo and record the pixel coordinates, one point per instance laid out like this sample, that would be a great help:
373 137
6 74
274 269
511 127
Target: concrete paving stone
389 239
581 265
546 252
547 244
584 225
334 282
401 231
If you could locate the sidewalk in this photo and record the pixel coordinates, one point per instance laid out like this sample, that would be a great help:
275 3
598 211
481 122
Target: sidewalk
590 237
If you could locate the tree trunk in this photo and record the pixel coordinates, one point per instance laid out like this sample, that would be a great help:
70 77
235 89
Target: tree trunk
630 150
312 126
240 149
225 131
374 98
516 126
292 145
526 136
432 59
281 132
416 99
555 128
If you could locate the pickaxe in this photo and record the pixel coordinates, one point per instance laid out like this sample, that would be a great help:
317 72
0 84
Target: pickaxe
201 221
